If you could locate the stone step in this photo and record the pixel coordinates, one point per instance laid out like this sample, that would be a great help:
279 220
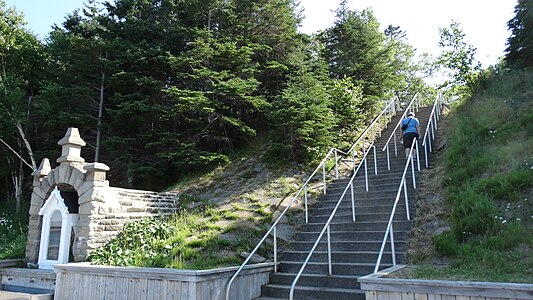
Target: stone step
315 280
359 225
353 269
368 245
350 235
308 292
342 256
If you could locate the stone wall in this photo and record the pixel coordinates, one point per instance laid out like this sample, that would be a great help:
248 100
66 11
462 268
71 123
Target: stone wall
129 205
103 210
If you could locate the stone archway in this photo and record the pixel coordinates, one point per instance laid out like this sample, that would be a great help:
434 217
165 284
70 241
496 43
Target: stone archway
102 210
86 180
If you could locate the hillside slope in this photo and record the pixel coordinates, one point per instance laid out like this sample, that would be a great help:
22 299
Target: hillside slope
475 216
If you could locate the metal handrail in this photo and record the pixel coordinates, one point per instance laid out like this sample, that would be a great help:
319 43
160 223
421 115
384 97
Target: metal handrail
414 102
432 124
389 224
436 110
273 227
327 226
322 165
384 111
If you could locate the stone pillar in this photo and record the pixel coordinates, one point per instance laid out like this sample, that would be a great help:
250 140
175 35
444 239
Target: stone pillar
41 172
71 145
96 171
37 201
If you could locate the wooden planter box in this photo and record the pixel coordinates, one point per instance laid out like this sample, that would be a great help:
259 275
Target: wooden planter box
82 281
379 287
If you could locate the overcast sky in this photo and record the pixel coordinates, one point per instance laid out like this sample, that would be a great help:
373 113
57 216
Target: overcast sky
483 22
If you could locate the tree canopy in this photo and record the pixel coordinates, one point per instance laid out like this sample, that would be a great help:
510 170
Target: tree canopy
159 89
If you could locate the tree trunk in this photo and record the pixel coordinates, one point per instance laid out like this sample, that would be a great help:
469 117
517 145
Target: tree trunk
99 124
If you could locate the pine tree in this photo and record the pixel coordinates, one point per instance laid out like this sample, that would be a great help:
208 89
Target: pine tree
520 43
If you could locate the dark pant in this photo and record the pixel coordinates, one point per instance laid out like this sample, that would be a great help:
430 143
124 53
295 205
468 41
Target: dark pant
408 139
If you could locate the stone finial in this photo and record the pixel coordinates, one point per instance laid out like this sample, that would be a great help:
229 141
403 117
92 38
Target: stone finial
96 171
71 147
41 172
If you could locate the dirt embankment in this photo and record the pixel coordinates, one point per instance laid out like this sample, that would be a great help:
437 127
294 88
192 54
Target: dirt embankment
432 213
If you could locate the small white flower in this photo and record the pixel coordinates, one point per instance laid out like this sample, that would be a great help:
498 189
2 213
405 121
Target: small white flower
504 221
518 219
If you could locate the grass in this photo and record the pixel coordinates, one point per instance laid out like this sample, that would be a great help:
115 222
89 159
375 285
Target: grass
188 240
13 234
489 186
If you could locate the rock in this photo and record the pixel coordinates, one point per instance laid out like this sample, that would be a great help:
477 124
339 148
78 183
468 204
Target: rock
441 230
254 259
284 232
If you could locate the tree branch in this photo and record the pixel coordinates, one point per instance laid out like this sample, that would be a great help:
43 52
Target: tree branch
18 155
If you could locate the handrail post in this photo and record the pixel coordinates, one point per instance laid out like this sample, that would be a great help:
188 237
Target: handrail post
275 250
392 247
388 158
430 146
413 169
353 158
336 165
305 202
406 200
417 155
366 174
433 129
395 147
375 161
353 201
330 271
324 175
426 153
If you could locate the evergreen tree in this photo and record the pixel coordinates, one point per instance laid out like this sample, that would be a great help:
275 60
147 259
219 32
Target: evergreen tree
520 43
301 116
355 48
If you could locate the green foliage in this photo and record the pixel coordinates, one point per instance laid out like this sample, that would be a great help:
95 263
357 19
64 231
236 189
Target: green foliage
301 115
520 44
187 240
13 233
458 59
489 179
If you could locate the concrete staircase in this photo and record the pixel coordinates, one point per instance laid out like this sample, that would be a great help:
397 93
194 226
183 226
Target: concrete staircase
355 245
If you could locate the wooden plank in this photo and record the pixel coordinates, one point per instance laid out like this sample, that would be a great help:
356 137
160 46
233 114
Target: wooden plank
383 295
477 298
408 296
58 294
122 288
395 296
110 291
448 297
460 297
421 296
174 290
434 296
371 295
100 287
153 288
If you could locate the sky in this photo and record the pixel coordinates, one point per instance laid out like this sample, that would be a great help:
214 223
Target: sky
483 22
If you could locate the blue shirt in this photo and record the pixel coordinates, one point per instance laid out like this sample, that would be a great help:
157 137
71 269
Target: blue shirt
411 127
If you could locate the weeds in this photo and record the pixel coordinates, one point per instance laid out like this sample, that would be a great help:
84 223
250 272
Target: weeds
489 179
13 234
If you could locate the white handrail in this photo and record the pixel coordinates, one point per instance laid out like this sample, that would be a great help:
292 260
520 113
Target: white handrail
385 114
432 124
414 102
326 228
433 117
